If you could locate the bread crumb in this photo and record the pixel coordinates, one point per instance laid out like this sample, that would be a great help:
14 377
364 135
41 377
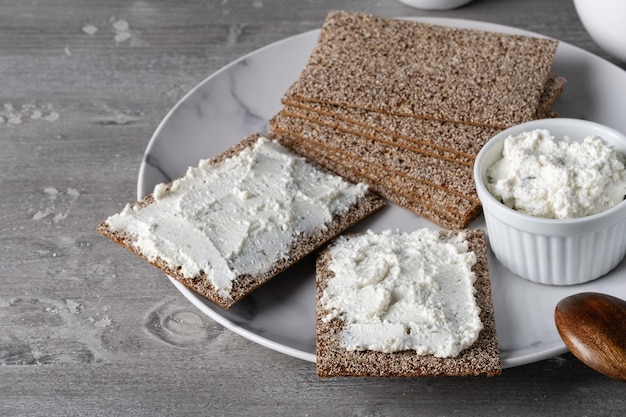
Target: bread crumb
51 117
121 28
29 111
42 214
103 322
121 25
122 36
90 29
73 306
51 192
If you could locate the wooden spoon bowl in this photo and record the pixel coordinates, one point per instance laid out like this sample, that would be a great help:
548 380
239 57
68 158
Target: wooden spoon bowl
593 327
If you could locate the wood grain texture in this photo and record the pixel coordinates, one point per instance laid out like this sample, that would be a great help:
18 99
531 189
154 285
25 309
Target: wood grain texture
86 329
593 327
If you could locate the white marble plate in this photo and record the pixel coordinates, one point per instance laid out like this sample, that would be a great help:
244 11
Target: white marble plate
240 98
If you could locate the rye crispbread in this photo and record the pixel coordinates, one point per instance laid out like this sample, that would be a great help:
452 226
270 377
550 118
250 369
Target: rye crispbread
482 358
430 202
244 284
428 155
552 90
446 197
445 139
425 143
441 172
417 127
438 190
445 73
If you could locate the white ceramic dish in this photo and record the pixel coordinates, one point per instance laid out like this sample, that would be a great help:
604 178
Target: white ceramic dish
550 251
241 97
435 4
604 21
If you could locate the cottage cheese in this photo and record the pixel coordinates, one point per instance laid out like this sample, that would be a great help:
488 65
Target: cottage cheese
239 216
404 291
558 178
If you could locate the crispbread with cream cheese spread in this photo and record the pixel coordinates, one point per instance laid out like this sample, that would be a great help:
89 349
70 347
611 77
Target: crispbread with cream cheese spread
169 240
481 358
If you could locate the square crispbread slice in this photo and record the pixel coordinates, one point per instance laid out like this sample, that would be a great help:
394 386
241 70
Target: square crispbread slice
446 140
438 190
369 133
246 283
444 173
482 358
435 204
460 141
443 139
443 73
463 138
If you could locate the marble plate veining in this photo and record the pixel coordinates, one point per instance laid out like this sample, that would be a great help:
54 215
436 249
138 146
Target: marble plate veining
240 98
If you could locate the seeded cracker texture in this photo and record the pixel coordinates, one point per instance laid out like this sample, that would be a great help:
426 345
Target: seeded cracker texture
459 142
459 139
362 61
397 189
245 284
447 173
425 181
482 358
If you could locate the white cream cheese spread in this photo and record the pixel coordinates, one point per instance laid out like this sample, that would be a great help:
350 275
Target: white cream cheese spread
400 291
558 178
238 216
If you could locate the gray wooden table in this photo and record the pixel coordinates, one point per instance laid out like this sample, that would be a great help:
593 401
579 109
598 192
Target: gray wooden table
87 329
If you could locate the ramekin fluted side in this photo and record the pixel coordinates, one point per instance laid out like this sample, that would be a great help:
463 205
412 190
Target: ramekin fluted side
556 260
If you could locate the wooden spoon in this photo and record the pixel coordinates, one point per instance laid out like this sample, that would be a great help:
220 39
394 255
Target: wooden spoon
593 327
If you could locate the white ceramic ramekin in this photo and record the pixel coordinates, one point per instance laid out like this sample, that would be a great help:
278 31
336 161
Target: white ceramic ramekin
552 251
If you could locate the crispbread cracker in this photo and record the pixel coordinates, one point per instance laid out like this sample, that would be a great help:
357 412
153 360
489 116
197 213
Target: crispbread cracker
448 175
462 138
444 73
445 139
482 358
423 145
455 138
435 204
551 91
244 284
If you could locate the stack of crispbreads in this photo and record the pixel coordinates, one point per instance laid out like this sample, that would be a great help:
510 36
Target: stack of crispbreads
406 106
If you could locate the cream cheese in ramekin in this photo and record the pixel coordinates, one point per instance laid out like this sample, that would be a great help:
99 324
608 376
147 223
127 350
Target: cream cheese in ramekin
558 178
